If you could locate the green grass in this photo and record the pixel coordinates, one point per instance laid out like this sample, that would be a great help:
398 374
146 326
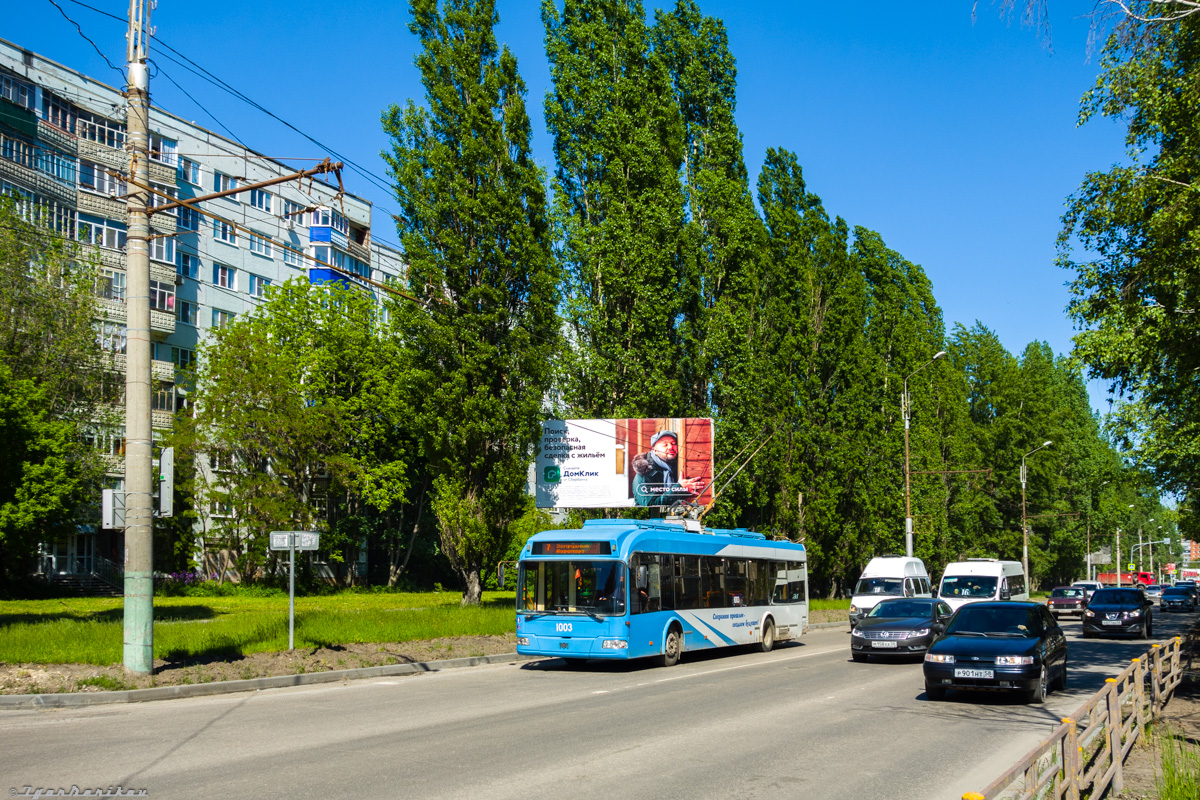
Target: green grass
89 630
1180 774
829 605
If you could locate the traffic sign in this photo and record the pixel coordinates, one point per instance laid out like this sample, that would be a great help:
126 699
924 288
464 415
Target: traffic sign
1171 567
304 540
1131 566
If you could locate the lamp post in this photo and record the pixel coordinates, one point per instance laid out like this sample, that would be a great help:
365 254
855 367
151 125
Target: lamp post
1024 529
905 407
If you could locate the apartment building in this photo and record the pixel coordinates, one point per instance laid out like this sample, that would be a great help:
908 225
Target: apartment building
62 154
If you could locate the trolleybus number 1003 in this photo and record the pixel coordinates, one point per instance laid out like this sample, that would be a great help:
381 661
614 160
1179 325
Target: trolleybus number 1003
563 627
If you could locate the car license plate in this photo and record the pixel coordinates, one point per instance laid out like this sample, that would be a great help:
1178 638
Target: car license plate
1111 622
974 673
883 644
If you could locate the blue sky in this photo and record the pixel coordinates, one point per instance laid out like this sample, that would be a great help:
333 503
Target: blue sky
954 138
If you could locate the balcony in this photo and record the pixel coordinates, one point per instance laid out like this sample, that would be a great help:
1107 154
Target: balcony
99 205
162 324
113 259
162 173
67 142
360 252
39 182
114 159
325 233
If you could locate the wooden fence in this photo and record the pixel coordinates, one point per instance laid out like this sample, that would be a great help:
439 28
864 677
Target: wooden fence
1084 756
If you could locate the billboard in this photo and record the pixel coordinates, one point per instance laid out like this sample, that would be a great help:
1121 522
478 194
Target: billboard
623 463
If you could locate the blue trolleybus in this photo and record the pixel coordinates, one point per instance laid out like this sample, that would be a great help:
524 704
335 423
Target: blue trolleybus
657 588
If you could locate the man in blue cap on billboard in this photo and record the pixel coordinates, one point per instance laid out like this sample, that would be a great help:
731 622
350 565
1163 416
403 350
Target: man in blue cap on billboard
656 480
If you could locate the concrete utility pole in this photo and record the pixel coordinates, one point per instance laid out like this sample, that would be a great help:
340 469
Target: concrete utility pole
139 520
906 408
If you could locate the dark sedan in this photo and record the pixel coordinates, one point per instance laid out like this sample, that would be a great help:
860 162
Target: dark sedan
1178 599
1067 600
1003 646
902 626
1119 611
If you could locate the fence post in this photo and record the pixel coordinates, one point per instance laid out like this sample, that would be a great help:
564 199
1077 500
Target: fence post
1071 759
1155 681
1139 697
1114 736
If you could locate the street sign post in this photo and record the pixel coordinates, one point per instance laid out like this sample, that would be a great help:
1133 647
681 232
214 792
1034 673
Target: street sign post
293 541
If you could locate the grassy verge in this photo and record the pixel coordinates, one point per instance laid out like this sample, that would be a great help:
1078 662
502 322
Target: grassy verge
89 630
1180 775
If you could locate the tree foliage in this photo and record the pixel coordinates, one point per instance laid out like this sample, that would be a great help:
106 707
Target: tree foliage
476 238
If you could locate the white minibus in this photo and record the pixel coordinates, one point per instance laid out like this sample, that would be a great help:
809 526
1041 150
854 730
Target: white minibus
888 576
978 579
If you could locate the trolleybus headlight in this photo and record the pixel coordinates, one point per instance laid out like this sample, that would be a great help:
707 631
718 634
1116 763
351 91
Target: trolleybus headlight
523 640
939 658
1012 661
615 644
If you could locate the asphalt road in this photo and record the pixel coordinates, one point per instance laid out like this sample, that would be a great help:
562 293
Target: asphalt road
803 721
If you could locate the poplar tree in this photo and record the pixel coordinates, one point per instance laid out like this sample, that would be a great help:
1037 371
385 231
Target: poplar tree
473 226
618 144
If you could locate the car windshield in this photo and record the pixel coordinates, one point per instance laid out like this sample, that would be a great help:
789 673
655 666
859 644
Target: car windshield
988 620
572 587
1117 597
893 586
895 609
1176 591
968 586
1067 592
1153 587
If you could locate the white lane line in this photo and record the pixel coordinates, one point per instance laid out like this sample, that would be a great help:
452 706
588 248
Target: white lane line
754 664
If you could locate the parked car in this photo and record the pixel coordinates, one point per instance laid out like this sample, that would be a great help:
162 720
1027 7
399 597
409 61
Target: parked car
1119 611
1191 587
1153 591
1089 586
900 626
1178 598
1002 646
1067 601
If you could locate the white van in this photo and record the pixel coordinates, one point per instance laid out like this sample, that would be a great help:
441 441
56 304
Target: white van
888 576
978 579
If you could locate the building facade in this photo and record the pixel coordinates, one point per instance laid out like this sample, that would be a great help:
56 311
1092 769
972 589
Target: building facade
63 157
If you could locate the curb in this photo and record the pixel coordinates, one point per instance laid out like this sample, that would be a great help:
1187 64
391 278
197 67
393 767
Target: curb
830 625
82 699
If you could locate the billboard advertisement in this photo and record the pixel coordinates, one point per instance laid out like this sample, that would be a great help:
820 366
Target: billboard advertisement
624 463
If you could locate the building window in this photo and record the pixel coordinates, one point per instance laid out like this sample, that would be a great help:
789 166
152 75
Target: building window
189 219
261 199
258 286
221 318
17 92
224 232
162 248
292 212
163 398
98 178
188 266
162 149
225 277
260 245
57 165
183 358
111 285
111 336
186 312
290 256
157 198
162 296
58 113
107 441
16 150
223 183
98 129
100 232
189 171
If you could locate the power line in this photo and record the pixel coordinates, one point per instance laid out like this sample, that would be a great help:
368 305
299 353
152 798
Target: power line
211 115
89 41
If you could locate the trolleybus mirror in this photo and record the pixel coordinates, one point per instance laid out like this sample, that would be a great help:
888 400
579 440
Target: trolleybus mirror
643 576
500 575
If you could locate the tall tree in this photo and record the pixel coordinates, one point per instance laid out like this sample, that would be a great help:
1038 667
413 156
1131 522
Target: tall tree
618 143
1137 261
475 235
55 378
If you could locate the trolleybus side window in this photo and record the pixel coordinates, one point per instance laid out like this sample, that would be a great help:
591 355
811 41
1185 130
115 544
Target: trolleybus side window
687 582
789 581
735 581
759 583
712 581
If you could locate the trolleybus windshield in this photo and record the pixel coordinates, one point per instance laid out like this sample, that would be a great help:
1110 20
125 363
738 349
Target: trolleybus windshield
573 587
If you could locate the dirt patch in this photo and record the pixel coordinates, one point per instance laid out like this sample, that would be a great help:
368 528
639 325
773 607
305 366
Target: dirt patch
1181 717
56 678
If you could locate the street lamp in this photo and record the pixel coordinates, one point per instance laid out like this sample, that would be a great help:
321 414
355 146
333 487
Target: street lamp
905 408
1024 530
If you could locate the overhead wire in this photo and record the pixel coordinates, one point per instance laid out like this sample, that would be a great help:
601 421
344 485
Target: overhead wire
96 47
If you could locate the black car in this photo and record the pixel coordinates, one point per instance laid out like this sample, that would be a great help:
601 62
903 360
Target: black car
1119 611
901 626
1002 646
1178 598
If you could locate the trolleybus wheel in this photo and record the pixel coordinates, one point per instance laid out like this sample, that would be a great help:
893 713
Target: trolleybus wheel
671 648
768 636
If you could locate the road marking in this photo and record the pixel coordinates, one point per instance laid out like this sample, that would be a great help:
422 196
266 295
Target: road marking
754 664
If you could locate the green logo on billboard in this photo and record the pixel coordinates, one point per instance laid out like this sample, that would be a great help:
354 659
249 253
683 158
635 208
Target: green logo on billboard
551 474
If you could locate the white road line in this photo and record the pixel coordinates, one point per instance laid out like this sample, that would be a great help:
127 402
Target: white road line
753 664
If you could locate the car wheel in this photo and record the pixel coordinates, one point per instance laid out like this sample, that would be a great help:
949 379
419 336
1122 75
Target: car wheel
935 692
671 648
1061 684
859 656
768 637
1146 628
1039 692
